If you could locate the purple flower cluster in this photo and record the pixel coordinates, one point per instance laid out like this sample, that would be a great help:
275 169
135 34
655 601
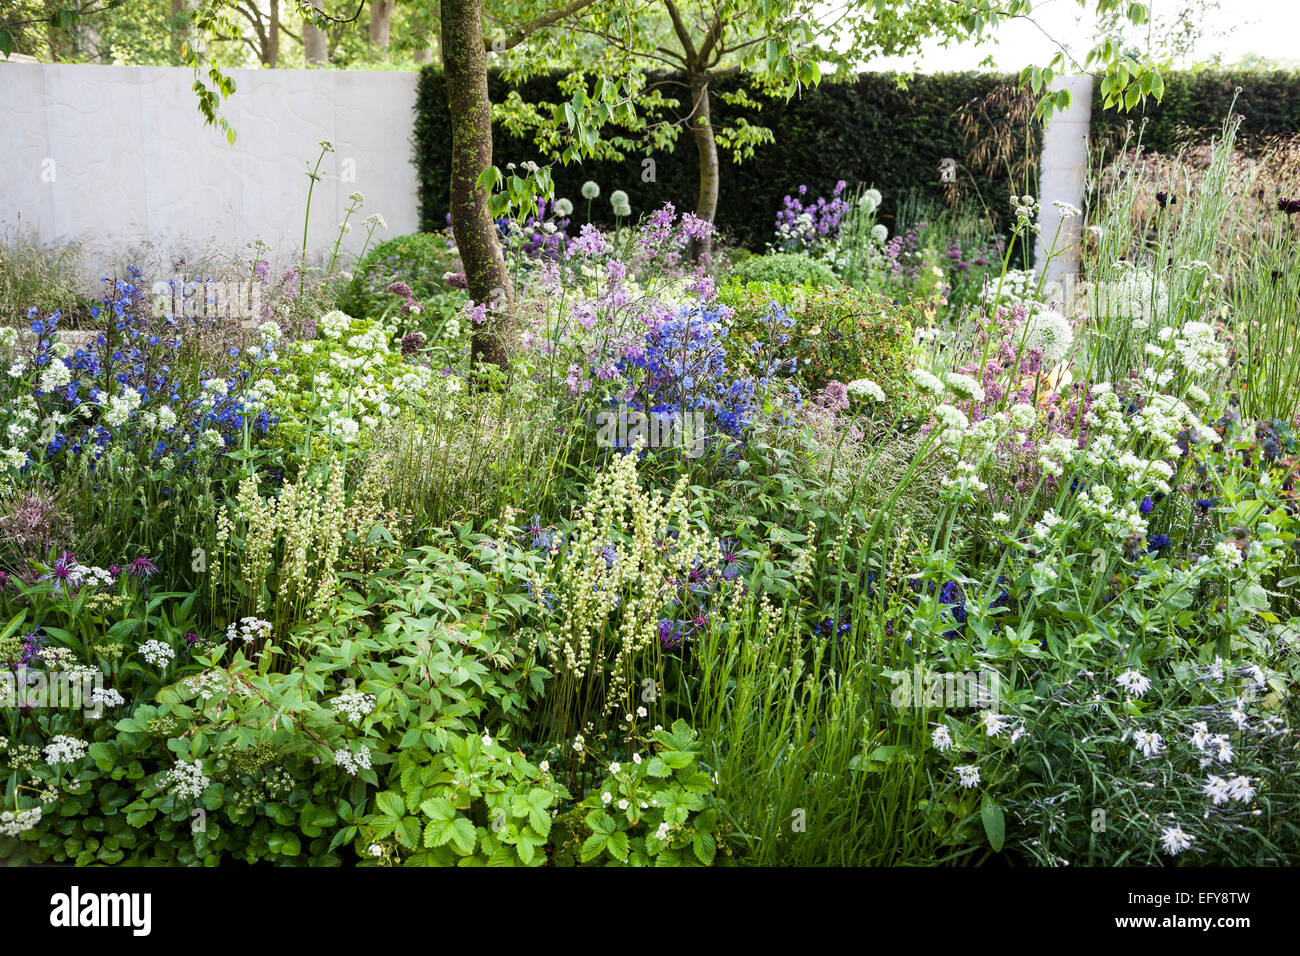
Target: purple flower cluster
804 227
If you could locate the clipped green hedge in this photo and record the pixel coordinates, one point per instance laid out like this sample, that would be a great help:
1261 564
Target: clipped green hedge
864 131
1196 104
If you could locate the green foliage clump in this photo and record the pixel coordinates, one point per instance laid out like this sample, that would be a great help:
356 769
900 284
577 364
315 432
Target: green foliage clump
838 334
420 260
789 268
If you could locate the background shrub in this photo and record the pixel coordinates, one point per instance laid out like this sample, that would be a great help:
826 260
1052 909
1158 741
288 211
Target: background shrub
785 268
419 260
879 129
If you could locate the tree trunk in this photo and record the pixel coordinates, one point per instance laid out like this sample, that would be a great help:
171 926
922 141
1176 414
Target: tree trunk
381 19
706 206
273 36
314 42
464 61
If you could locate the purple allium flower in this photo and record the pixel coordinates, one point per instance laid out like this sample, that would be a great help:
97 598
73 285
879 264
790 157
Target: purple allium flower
399 288
455 280
412 342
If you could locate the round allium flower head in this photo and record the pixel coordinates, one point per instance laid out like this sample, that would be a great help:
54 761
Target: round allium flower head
618 198
563 207
590 190
870 200
879 233
1049 332
399 288
864 389
455 280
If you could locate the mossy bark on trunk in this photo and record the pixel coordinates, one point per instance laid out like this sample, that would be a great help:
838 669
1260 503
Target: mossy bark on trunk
706 145
464 60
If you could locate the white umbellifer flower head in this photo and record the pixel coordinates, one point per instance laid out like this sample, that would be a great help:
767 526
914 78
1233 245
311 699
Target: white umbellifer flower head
941 739
1049 332
866 390
1068 210
969 775
1175 840
186 781
334 324
64 749
352 763
353 706
157 653
590 190
15 822
1133 682
879 233
1000 517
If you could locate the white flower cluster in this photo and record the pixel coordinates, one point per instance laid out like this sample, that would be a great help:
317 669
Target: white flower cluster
866 390
1134 682
1148 742
1197 349
207 685
965 386
927 382
353 706
1049 332
1015 287
13 823
353 763
248 629
1236 788
333 324
64 749
186 781
120 407
1026 209
106 697
1138 295
157 653
56 376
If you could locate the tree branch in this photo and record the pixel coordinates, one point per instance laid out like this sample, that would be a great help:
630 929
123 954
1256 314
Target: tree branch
537 23
683 35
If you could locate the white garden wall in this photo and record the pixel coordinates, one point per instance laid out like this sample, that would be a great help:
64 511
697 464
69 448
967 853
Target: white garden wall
119 158
1062 176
